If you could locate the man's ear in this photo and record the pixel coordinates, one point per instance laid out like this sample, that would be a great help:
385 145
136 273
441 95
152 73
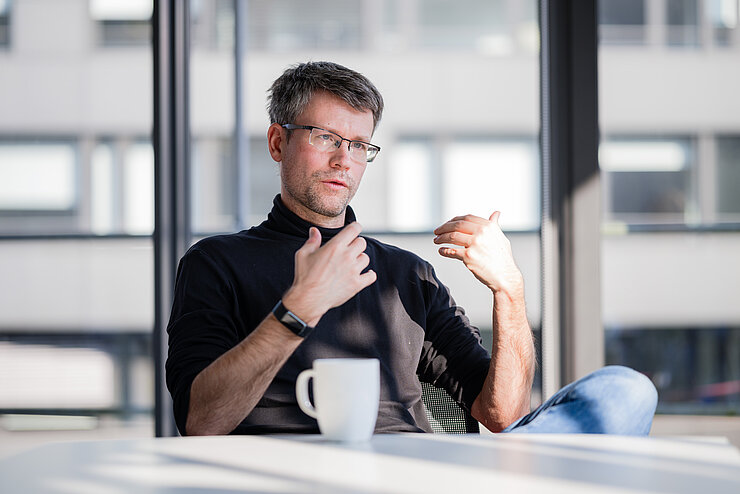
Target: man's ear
276 141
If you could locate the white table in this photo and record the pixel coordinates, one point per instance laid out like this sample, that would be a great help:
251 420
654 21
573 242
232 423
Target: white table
404 463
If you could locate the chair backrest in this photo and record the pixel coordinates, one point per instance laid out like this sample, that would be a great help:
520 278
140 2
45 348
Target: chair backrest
444 414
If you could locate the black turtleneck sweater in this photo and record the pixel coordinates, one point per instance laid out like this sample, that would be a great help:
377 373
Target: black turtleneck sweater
226 285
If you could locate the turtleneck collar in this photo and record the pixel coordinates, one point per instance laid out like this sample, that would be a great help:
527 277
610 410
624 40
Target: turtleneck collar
283 220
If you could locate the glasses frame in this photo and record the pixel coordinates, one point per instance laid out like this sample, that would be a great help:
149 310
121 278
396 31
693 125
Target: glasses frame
311 128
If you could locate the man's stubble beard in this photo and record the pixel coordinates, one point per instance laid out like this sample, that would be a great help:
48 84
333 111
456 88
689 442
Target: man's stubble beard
307 194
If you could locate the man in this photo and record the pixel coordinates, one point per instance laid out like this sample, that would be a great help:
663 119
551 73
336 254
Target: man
254 309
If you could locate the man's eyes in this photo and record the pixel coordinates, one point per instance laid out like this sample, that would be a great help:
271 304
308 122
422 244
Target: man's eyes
327 137
333 139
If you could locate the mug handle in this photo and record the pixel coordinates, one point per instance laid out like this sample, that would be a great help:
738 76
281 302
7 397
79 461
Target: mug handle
301 392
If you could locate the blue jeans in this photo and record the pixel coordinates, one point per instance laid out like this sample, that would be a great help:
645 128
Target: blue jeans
612 400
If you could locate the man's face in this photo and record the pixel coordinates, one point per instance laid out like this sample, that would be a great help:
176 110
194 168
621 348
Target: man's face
318 185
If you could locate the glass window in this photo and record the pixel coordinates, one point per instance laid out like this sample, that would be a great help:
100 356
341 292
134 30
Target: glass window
214 180
694 368
138 189
622 22
76 216
264 180
670 188
497 28
5 22
647 180
482 176
723 20
212 24
289 25
448 24
728 177
100 186
213 185
412 192
682 20
122 22
38 176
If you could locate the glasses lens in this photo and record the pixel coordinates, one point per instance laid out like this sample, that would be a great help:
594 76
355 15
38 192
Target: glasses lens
372 152
327 141
358 151
322 139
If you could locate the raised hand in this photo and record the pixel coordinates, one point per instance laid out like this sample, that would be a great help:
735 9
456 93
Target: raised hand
328 276
483 248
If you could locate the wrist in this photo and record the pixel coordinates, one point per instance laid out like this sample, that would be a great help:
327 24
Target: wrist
301 307
291 321
511 287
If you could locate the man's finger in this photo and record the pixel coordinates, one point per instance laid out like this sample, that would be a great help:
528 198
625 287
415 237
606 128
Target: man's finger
450 252
495 216
457 225
455 238
368 278
363 261
348 234
467 223
357 246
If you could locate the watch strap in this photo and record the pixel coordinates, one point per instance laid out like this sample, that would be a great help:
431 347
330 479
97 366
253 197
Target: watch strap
290 320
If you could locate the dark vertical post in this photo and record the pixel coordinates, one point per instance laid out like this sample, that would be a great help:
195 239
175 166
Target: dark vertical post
241 142
171 157
572 333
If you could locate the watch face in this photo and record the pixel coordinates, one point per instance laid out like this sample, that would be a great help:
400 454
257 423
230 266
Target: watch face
290 320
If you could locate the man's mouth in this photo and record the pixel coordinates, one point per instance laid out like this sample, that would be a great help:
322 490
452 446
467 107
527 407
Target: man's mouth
335 183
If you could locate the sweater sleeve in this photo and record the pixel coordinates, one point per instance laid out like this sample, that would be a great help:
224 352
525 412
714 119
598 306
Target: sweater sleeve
453 357
201 327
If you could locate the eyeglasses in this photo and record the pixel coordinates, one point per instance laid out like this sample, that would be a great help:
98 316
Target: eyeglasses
326 140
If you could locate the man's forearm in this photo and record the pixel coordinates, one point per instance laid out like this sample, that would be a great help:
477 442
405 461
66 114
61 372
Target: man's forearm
506 393
227 390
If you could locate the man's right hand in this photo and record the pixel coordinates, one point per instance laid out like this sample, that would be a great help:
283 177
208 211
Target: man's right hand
328 276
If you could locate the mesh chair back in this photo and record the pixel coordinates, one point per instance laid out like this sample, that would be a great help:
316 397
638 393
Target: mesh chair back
444 414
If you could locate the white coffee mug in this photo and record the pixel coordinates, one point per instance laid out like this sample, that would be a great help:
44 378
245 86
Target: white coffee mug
346 393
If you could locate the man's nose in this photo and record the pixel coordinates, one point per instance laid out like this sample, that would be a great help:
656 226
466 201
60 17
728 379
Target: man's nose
341 157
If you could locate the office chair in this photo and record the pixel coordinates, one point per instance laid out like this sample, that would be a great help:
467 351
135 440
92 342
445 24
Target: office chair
444 414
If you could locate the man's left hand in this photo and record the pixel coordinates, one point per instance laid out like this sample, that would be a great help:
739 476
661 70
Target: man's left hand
483 248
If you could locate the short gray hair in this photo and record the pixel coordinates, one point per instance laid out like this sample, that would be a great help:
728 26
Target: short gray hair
291 92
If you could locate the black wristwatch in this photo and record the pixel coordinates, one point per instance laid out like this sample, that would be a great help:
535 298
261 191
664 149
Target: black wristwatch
290 320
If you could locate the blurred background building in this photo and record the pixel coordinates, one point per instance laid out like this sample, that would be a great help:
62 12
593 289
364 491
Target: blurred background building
460 134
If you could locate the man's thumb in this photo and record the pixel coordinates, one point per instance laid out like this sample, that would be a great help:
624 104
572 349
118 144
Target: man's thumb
314 239
495 216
